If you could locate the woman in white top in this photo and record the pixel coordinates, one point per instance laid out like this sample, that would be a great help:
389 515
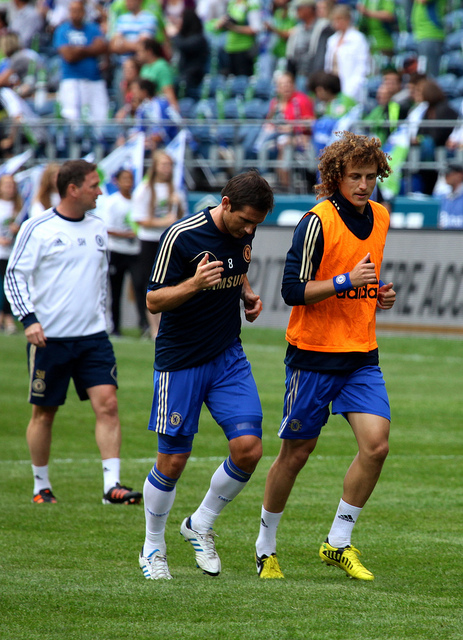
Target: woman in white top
156 205
10 207
47 193
124 246
348 54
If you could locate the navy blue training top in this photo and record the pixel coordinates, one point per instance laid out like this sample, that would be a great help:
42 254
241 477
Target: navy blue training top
205 325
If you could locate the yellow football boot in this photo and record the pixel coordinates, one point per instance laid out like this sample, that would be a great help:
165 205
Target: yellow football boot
345 558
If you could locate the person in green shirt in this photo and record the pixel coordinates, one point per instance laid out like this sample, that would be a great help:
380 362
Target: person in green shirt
330 101
427 20
387 108
119 7
156 68
377 22
242 23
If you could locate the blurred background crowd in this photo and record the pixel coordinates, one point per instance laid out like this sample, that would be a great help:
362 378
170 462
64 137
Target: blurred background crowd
109 69
252 82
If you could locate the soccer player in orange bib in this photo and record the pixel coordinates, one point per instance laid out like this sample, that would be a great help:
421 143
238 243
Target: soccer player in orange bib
331 279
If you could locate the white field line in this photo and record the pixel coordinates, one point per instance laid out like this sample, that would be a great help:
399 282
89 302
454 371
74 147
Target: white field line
194 459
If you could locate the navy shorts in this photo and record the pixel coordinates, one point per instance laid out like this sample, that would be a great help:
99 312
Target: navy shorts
225 384
90 362
309 394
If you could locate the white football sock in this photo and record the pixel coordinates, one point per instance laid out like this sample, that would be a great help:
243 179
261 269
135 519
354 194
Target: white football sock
111 473
41 479
157 504
343 523
266 543
222 490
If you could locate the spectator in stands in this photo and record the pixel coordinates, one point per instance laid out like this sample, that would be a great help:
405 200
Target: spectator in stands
280 25
82 88
131 26
348 54
154 115
47 193
455 140
427 21
118 8
306 46
242 24
154 67
130 72
173 14
156 205
193 49
410 97
123 245
19 68
377 22
451 205
209 10
331 102
289 104
387 108
10 207
429 138
25 20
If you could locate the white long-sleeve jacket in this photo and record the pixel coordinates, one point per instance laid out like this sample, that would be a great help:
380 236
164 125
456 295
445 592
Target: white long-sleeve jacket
57 274
353 59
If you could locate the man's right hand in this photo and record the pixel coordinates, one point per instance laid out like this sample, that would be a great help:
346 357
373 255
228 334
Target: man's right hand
363 273
35 335
208 274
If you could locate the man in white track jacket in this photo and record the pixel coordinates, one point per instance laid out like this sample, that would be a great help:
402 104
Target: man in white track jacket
56 282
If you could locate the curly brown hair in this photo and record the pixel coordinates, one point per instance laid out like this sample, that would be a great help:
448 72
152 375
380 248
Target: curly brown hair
350 149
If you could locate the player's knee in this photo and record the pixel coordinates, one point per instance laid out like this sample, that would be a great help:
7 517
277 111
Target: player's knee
246 452
44 417
294 455
380 452
109 406
173 464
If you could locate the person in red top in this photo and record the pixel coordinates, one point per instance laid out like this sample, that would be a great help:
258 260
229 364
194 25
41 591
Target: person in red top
331 279
289 104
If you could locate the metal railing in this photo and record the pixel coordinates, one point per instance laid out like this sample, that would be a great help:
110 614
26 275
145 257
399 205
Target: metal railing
216 147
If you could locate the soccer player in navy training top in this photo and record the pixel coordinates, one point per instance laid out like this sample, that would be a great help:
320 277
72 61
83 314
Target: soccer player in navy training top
197 282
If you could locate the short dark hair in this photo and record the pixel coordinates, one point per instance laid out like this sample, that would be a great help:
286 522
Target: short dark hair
328 81
149 86
249 189
73 172
150 44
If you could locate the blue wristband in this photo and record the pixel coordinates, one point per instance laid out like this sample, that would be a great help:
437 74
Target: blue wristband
381 284
342 282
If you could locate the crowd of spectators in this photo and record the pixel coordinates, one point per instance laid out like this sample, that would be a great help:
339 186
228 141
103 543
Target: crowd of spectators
299 69
143 65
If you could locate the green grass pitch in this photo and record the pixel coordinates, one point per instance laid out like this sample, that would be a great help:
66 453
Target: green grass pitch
70 571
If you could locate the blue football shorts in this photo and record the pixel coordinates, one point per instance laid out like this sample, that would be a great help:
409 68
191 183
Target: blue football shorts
309 394
227 387
88 361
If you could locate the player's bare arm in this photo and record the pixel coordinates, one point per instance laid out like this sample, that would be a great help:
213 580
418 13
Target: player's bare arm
363 273
252 302
207 275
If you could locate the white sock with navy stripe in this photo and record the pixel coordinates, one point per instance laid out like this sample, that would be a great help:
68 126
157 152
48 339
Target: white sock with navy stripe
226 483
158 497
343 524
